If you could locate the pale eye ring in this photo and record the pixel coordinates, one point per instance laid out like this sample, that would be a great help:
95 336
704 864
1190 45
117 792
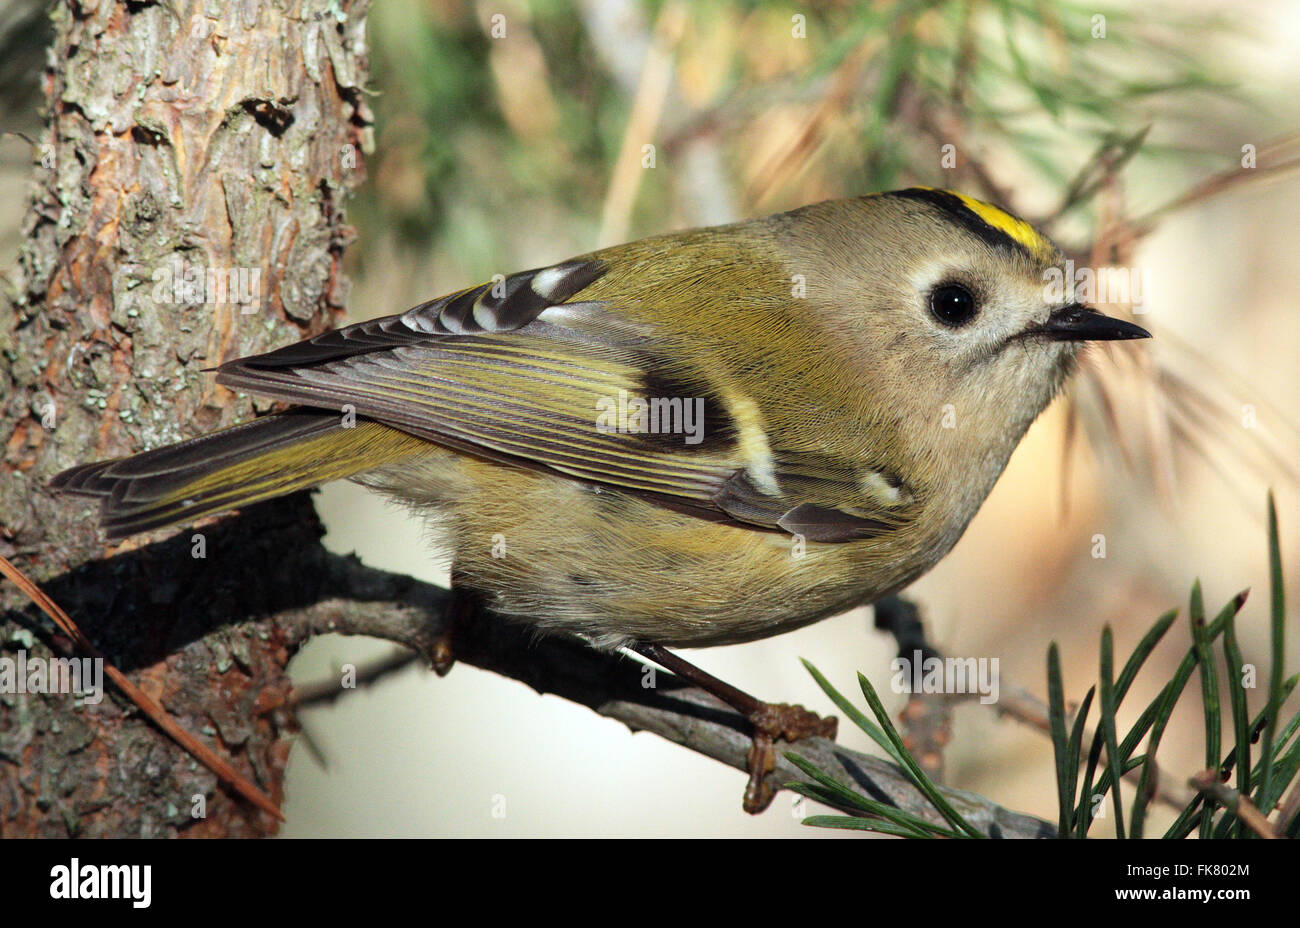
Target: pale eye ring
953 305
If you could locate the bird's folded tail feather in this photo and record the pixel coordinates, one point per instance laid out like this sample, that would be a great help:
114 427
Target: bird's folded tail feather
258 460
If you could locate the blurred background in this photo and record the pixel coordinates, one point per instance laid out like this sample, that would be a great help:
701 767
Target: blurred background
511 135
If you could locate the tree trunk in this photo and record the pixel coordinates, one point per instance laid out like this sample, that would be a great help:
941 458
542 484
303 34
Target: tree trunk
187 209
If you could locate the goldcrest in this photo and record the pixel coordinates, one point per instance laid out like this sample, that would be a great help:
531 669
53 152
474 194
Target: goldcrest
695 439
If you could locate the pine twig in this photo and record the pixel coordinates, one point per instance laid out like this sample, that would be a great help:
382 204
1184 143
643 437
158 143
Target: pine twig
1207 782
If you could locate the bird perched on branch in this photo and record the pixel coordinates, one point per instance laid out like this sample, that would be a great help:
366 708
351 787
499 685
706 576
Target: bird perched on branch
695 439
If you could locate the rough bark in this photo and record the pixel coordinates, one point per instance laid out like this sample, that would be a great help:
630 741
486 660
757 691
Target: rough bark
190 137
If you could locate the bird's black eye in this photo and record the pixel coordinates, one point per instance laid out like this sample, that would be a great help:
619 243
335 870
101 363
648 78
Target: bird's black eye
952 304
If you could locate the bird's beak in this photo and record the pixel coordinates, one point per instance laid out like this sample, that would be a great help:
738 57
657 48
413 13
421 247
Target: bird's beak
1079 323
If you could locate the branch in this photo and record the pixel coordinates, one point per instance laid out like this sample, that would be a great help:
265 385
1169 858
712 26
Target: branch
1208 783
366 601
337 593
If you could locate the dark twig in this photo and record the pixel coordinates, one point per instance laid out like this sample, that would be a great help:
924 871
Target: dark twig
927 718
328 690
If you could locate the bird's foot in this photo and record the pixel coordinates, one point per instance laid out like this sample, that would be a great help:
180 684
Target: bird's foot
773 722
460 608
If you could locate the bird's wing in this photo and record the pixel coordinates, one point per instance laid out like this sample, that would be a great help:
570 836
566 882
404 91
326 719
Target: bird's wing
518 371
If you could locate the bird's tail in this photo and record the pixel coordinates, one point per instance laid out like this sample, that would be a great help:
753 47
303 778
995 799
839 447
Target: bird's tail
258 460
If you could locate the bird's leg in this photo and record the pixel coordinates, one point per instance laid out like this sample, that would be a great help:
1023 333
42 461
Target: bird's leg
770 720
460 608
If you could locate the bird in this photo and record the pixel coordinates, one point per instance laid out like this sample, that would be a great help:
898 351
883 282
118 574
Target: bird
700 438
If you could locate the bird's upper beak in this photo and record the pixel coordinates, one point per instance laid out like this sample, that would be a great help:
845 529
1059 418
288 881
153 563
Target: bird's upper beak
1078 323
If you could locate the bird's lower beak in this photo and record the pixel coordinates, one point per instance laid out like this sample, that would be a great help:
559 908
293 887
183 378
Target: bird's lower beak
1079 323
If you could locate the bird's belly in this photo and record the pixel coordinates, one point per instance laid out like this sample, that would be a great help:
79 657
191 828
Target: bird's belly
616 568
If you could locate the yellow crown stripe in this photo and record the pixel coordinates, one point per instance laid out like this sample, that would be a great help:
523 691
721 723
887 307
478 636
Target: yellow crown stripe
1019 230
